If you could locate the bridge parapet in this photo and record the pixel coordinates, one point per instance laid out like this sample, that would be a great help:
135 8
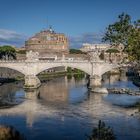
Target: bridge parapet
56 60
12 61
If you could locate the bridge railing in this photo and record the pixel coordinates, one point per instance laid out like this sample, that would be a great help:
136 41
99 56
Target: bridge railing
57 61
12 61
60 61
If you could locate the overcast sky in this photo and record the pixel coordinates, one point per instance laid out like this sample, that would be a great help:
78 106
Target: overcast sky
81 20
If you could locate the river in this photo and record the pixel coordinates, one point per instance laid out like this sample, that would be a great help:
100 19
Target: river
64 109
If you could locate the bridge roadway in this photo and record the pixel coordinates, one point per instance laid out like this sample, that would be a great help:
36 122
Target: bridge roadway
31 68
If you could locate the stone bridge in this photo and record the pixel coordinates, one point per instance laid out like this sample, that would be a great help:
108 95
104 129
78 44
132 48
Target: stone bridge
31 68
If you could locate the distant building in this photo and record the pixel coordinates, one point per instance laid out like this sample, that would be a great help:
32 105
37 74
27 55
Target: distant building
115 57
111 57
20 53
86 47
48 41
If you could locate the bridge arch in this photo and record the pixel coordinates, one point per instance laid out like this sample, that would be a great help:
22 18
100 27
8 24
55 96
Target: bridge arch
12 68
82 68
54 69
107 69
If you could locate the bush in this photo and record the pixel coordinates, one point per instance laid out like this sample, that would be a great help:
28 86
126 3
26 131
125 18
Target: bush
113 50
102 132
76 51
9 133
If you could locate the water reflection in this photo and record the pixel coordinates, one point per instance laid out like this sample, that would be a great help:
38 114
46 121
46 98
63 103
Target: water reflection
46 100
55 91
55 98
118 80
9 95
123 100
32 94
64 109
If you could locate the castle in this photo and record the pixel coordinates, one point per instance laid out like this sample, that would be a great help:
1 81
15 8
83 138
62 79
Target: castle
47 42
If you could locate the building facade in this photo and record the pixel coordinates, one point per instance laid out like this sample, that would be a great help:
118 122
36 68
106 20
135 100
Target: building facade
102 48
48 41
86 47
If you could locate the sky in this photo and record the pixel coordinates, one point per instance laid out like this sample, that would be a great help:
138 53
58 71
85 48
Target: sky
83 21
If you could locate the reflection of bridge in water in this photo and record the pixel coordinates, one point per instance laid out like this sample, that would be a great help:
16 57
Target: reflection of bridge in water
44 101
109 78
54 98
33 109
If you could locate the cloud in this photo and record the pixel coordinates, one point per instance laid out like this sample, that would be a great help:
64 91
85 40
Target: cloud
8 37
77 41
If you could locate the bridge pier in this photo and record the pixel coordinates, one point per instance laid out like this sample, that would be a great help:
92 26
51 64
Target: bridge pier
32 94
95 84
95 81
31 82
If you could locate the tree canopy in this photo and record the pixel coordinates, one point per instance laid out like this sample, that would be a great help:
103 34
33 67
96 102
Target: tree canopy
7 52
133 47
102 132
76 51
112 50
125 32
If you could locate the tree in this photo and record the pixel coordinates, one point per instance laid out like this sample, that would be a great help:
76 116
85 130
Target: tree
125 32
76 51
112 50
134 41
102 132
7 52
118 32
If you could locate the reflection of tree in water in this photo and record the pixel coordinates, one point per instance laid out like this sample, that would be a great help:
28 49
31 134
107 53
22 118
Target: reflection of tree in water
102 132
8 96
79 76
9 133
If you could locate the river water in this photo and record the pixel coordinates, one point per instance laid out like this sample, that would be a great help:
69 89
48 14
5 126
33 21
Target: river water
64 109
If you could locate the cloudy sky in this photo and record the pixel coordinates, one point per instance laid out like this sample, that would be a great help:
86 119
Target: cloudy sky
81 20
